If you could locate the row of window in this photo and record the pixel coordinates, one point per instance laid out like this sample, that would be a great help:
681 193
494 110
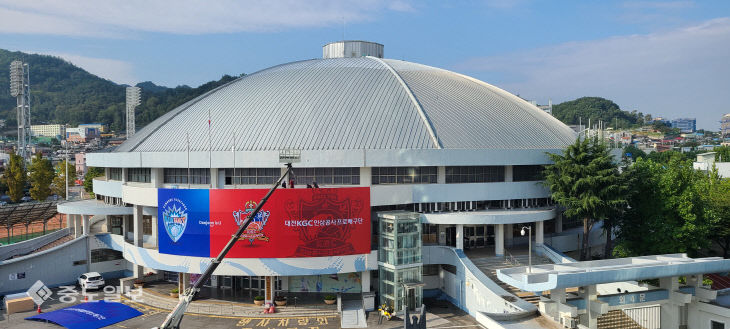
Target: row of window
339 176
182 175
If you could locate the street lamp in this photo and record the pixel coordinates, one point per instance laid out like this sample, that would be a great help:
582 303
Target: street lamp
529 246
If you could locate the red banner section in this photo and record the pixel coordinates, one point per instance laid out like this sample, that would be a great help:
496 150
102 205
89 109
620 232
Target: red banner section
293 223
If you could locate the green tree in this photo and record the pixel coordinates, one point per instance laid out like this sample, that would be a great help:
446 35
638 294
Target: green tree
718 200
15 177
41 177
723 153
586 182
91 173
60 180
666 211
633 152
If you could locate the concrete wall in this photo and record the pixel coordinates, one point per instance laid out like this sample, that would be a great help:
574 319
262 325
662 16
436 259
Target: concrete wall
54 267
700 314
112 188
415 193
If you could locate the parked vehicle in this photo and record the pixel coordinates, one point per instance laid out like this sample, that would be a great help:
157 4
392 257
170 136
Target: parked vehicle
91 280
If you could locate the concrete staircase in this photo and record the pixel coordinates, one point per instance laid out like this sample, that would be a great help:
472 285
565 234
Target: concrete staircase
617 319
223 308
490 265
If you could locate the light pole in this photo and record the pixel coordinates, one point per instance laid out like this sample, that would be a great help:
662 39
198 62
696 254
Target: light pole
529 246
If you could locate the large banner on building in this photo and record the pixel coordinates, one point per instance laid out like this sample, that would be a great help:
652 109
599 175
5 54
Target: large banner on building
293 223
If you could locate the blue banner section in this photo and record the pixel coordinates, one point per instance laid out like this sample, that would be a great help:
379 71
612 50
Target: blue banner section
183 221
90 315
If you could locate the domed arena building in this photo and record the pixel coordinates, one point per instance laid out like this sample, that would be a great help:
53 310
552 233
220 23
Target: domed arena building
397 168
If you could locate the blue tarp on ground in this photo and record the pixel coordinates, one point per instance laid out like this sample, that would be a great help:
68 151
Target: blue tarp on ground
90 315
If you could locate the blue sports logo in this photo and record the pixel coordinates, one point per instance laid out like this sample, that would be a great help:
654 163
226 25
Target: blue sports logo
175 218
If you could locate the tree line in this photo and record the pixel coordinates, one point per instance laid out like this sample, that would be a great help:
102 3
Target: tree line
653 204
41 179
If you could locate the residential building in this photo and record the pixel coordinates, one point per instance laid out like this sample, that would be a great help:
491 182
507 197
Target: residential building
50 130
725 126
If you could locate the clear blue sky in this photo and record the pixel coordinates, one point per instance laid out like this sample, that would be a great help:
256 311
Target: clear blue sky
667 58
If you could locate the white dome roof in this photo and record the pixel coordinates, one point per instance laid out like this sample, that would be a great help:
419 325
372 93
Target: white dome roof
350 104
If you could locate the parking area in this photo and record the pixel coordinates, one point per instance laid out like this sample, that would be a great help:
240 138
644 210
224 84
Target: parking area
442 315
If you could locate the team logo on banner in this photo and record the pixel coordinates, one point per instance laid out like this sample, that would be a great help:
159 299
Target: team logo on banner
175 218
330 229
254 231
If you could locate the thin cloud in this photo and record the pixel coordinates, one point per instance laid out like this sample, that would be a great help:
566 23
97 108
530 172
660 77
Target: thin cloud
658 4
94 18
683 72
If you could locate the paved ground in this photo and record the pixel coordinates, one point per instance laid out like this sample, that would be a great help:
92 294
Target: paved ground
443 315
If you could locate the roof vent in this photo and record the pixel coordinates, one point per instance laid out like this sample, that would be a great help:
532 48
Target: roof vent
352 48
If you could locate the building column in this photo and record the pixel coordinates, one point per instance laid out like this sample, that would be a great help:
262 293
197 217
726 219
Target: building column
86 219
539 232
78 226
366 176
138 237
365 279
508 173
460 236
559 297
590 296
559 222
124 227
154 232
669 311
441 175
499 240
183 282
508 233
69 224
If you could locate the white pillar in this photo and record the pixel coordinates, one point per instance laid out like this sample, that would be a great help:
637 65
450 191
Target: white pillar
539 232
508 173
499 240
366 176
86 219
669 311
441 175
138 237
559 222
460 236
124 227
154 232
69 222
183 282
365 279
78 229
589 319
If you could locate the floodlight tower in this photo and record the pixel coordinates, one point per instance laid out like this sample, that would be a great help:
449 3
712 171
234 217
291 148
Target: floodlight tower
134 95
20 88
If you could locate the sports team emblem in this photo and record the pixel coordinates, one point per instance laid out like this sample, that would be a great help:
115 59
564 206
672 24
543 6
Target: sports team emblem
254 231
175 218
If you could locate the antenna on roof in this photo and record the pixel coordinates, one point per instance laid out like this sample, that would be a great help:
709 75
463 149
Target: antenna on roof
343 28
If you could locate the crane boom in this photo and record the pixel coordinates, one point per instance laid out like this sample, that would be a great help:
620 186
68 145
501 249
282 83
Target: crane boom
175 317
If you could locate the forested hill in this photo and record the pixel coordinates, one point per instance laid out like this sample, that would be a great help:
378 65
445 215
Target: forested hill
64 93
597 108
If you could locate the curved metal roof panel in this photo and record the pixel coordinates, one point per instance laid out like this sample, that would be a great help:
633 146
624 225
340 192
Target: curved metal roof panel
351 103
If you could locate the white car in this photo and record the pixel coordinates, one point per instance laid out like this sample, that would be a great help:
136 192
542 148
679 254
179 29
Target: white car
91 280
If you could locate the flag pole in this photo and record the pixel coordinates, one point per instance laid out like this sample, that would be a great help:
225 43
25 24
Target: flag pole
187 139
233 149
210 152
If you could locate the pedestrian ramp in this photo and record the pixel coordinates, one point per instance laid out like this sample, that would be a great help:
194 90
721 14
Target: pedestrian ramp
353 314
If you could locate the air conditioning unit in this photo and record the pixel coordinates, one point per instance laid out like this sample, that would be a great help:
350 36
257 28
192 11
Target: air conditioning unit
568 322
